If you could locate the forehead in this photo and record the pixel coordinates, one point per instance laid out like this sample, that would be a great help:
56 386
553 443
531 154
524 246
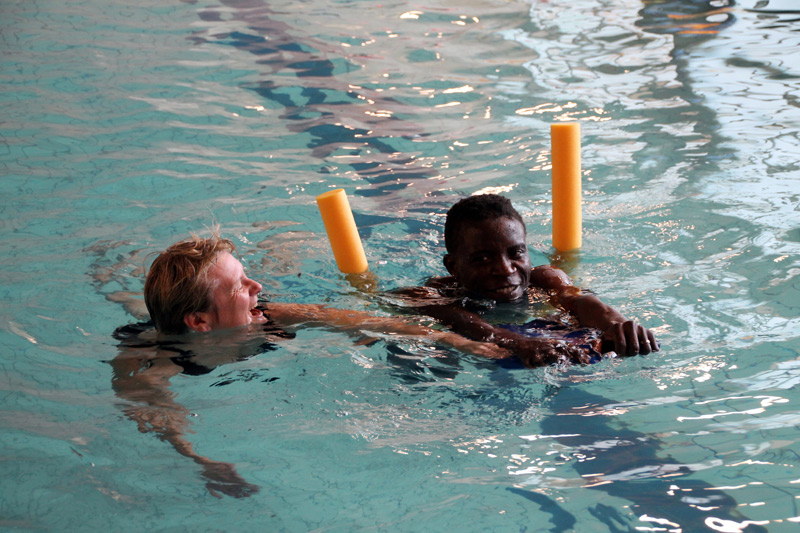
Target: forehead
492 233
226 269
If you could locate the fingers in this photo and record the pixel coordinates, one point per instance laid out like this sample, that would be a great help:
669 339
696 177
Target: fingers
616 335
653 342
631 339
646 341
580 357
542 352
645 346
488 350
631 330
572 354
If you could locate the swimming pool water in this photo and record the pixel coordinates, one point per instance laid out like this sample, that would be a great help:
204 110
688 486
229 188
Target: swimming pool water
127 126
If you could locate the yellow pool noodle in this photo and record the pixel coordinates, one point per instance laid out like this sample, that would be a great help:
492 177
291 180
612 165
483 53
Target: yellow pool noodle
342 232
565 139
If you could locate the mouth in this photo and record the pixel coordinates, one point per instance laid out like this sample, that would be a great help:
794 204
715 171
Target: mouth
506 292
257 315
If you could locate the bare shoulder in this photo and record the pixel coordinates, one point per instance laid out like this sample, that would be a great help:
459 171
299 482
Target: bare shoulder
441 282
549 278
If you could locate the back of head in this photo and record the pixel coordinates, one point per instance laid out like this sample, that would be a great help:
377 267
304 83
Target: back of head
178 284
476 209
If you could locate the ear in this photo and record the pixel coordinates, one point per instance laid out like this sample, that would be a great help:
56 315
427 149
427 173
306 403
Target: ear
197 321
449 264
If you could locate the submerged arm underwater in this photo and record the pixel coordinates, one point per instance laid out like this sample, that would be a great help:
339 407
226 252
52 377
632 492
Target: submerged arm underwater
143 383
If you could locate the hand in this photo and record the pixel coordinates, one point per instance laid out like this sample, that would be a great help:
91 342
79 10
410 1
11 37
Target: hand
629 338
222 477
535 352
482 349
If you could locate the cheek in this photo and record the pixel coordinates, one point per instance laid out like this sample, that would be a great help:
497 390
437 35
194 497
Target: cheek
523 269
468 272
473 278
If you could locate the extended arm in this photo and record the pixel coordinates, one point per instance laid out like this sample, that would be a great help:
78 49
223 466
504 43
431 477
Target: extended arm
624 335
532 352
285 314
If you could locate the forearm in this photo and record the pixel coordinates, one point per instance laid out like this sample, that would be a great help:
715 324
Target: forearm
312 315
620 334
462 321
588 309
359 321
583 305
533 352
153 406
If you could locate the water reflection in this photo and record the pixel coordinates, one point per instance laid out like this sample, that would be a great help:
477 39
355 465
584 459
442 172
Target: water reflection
695 17
624 463
352 128
660 137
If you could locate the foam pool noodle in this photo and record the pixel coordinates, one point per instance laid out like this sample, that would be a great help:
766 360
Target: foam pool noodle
565 151
342 232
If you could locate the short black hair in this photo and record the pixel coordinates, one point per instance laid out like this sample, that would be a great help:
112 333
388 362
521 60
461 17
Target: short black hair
476 209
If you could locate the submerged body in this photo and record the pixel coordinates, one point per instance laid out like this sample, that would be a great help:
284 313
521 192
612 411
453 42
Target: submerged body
487 259
206 312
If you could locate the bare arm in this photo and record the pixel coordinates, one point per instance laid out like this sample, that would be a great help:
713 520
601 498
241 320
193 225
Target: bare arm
624 335
144 383
285 314
532 352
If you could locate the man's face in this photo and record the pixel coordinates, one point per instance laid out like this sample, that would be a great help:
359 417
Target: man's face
491 259
234 296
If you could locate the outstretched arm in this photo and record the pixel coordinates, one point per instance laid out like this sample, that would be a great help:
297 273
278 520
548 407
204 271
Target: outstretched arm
286 314
624 335
533 352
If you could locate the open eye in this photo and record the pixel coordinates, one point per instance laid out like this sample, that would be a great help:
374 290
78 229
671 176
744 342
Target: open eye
517 252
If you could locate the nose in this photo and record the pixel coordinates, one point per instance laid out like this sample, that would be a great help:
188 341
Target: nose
255 287
503 266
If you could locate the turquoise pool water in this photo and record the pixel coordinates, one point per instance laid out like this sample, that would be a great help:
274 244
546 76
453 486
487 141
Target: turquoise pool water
127 126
